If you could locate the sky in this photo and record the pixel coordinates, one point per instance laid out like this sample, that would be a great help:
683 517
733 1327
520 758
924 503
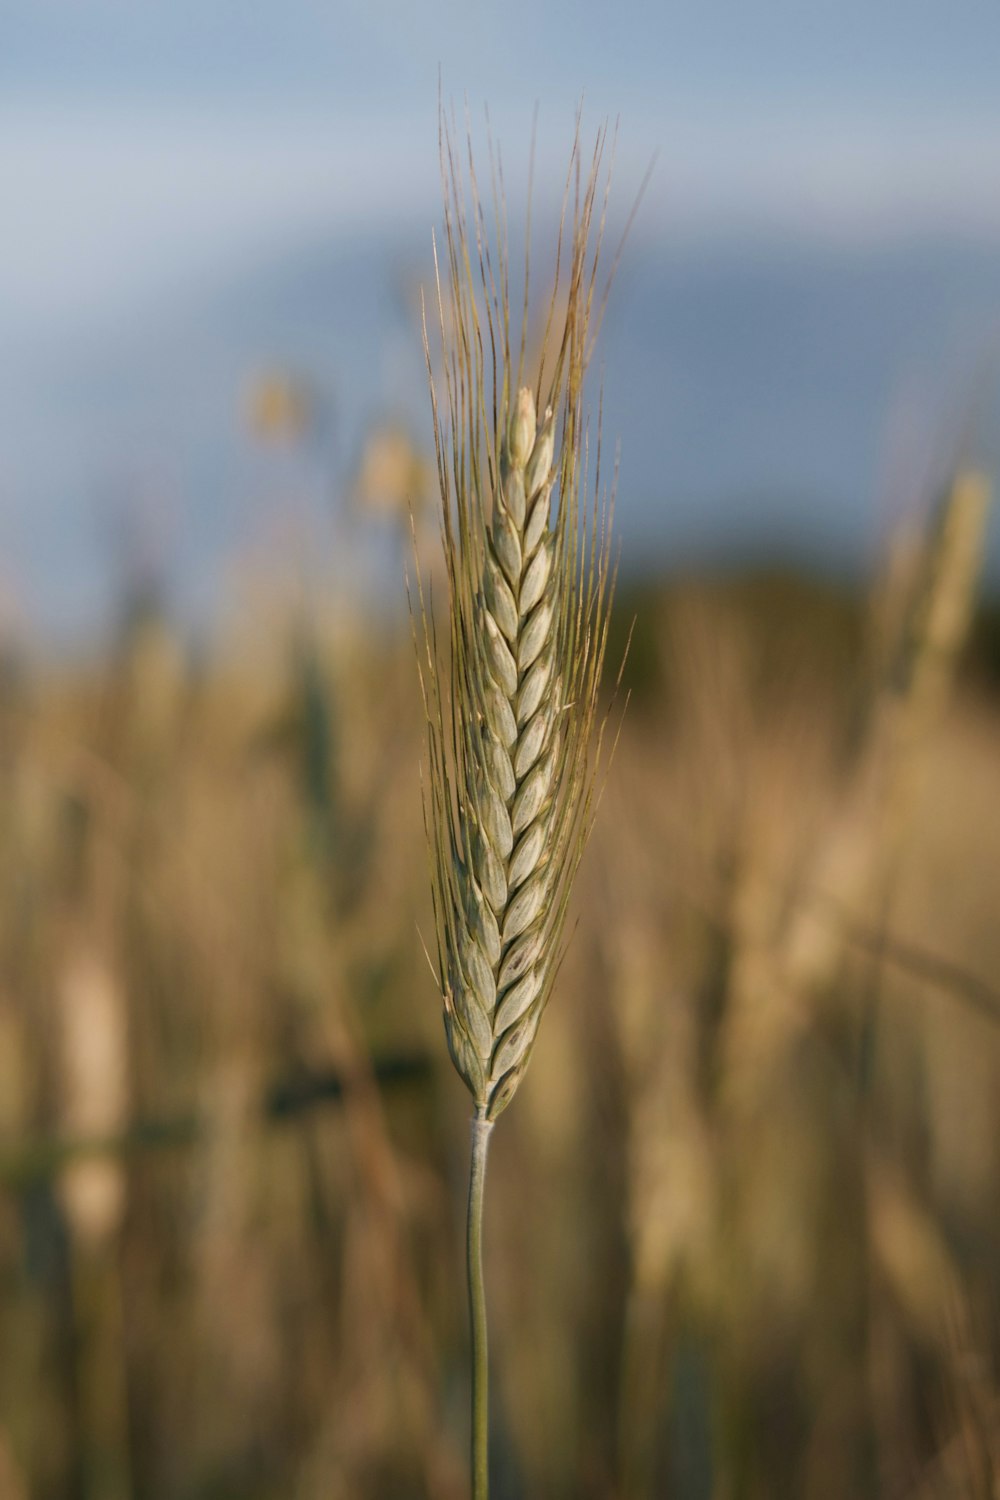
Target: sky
153 151
140 142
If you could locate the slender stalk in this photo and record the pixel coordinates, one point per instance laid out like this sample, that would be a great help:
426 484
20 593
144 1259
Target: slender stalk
481 1128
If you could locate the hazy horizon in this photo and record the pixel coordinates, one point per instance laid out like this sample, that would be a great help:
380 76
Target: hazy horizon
823 208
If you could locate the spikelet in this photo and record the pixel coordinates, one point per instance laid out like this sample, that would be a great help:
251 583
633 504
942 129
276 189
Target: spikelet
511 713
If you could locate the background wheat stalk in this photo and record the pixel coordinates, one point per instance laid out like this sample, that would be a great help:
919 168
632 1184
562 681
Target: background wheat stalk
511 705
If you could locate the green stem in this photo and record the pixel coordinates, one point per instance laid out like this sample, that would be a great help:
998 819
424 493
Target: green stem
481 1128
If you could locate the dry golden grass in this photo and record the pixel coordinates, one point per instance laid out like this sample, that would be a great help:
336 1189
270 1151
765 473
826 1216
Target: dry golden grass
771 1272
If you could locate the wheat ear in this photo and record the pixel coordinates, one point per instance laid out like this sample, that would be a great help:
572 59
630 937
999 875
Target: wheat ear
511 706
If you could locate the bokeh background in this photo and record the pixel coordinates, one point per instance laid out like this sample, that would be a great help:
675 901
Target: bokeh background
743 1236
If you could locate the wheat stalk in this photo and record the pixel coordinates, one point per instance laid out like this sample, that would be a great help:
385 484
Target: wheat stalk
511 705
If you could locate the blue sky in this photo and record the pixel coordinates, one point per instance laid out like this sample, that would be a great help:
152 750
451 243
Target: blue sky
142 142
909 53
155 152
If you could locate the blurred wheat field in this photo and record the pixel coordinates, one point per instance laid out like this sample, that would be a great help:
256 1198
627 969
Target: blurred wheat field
767 1098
